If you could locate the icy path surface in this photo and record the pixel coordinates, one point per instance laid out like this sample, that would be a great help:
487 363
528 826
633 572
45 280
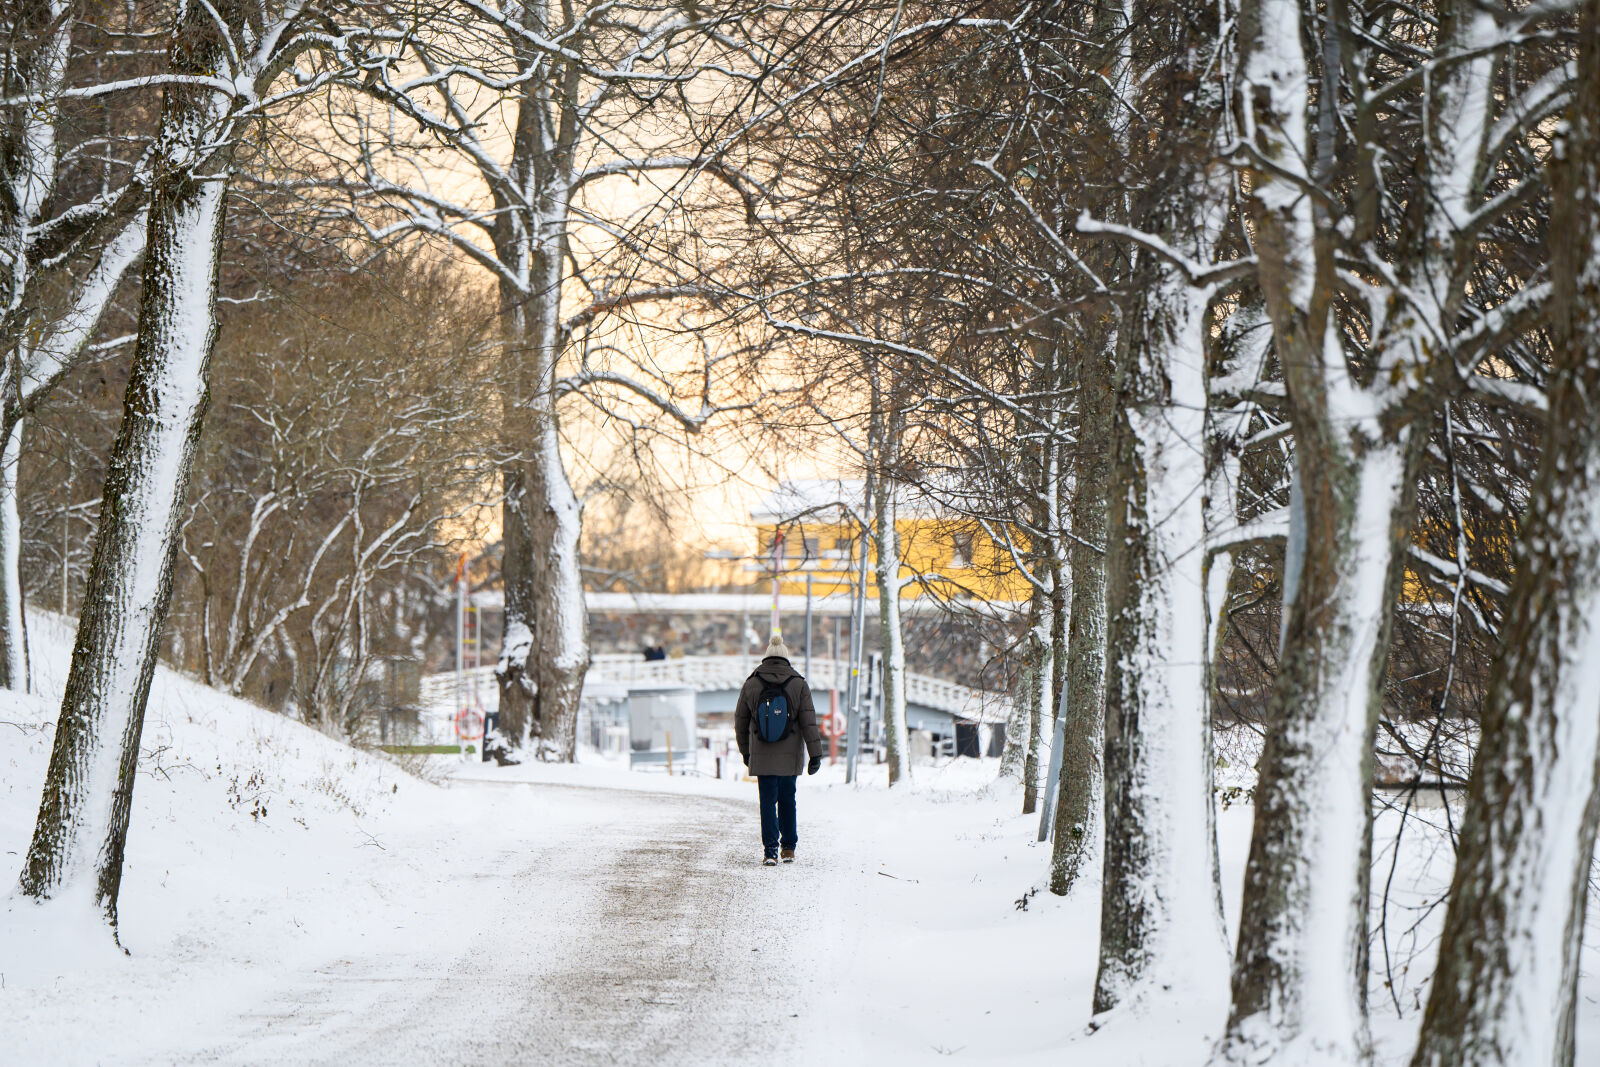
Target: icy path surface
288 900
685 948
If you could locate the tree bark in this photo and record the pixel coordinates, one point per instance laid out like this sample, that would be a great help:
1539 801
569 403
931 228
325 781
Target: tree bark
514 671
1016 746
545 652
1160 927
1036 687
1505 990
1303 922
36 60
1300 974
30 373
1077 826
14 670
79 839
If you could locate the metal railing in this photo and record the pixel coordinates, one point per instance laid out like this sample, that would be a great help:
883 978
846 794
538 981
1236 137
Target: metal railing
729 672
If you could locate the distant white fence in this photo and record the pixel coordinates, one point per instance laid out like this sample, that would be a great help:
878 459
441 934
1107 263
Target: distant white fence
704 673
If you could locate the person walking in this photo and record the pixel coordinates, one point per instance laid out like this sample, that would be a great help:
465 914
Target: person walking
776 726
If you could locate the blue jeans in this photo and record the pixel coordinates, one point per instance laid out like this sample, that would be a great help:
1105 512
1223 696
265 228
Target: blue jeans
778 827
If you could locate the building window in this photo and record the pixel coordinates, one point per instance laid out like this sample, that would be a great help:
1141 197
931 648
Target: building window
961 549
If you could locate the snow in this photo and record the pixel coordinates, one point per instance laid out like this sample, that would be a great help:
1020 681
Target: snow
1170 877
288 900
1275 67
568 647
1461 114
13 640
48 360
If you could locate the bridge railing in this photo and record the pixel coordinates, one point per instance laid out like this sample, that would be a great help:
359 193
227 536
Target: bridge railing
725 672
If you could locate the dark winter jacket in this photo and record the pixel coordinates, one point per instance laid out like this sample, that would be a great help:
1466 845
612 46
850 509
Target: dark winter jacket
777 757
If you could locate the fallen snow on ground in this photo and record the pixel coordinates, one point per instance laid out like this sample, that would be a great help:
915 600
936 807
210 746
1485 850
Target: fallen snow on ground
288 900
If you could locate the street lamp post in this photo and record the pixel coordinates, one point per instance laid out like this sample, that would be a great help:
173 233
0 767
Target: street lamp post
776 629
808 624
852 729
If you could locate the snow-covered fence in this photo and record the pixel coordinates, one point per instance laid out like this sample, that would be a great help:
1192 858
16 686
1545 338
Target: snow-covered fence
705 673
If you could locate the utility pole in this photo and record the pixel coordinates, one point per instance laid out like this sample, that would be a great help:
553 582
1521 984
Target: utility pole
461 647
833 693
808 624
874 725
777 565
1052 786
852 729
475 621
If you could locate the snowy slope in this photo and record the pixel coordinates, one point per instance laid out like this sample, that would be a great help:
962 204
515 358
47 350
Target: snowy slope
249 849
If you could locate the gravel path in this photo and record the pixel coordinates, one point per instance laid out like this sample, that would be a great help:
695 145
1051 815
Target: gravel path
621 928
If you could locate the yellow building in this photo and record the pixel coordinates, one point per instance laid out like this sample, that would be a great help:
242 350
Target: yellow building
820 522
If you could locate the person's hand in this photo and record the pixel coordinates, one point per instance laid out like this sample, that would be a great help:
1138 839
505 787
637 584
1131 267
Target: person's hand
815 765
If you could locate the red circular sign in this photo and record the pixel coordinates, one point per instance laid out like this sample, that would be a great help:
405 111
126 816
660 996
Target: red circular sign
832 725
469 724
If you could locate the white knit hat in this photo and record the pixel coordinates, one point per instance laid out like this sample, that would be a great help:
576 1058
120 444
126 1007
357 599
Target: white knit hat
776 647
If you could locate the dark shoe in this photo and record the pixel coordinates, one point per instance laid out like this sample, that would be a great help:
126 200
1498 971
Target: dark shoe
788 855
769 861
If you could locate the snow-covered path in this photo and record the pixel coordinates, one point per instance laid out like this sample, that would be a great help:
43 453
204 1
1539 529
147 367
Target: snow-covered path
288 900
602 927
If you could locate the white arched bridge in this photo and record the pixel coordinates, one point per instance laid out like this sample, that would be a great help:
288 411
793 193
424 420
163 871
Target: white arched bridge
931 703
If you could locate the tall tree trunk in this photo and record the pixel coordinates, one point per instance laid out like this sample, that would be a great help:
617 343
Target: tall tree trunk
1041 708
1032 683
13 616
545 653
28 375
1505 990
1300 975
514 668
1055 565
78 843
1081 804
1015 751
561 648
40 35
1300 972
1036 687
1160 928
1077 829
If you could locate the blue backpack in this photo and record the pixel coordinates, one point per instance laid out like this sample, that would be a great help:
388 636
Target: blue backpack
773 718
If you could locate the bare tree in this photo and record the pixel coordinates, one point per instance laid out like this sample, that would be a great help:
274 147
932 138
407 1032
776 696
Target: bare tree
81 832
350 438
71 226
587 93
1505 990
1361 414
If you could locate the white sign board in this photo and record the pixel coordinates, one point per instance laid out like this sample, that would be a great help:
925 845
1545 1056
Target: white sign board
654 713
